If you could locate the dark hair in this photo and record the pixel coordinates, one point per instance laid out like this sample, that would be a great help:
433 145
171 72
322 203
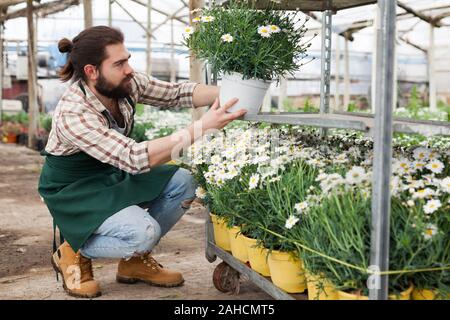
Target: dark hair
89 47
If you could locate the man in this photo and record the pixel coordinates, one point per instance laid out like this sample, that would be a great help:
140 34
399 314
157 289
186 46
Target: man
96 181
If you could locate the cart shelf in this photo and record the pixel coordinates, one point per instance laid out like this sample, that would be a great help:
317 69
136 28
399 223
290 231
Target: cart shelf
356 121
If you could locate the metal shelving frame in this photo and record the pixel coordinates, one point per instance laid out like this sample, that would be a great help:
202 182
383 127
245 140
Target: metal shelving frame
381 126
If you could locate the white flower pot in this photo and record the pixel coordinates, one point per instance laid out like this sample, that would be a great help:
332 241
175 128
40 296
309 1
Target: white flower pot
249 92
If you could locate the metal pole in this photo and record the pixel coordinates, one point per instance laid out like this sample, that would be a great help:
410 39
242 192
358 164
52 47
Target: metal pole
149 38
325 63
173 75
2 65
346 76
109 13
376 21
282 94
381 200
431 72
325 66
337 76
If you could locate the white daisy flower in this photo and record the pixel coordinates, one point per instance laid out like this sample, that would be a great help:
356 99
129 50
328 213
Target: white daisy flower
264 31
291 221
418 165
433 155
197 19
274 29
342 158
208 18
227 38
402 166
410 203
200 192
430 231
431 206
421 154
435 166
445 184
188 30
254 179
356 175
302 206
215 159
423 193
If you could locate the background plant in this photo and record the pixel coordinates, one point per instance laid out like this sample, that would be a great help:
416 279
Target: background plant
247 51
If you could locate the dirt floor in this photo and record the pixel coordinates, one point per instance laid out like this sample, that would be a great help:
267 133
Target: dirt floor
26 245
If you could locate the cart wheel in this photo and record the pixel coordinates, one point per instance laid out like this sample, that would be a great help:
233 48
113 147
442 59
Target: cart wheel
226 279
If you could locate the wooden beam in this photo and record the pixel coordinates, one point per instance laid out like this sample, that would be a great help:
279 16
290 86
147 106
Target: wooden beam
57 7
195 65
2 64
32 78
161 11
149 38
172 17
87 8
147 32
42 9
7 3
418 14
441 16
412 44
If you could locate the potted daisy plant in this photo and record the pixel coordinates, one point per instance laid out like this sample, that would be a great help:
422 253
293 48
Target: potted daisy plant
249 48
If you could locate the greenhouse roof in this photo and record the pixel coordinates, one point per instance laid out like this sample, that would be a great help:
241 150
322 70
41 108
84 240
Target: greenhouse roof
314 5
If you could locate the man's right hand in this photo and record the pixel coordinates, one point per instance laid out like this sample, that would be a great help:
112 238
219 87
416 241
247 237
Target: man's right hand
217 116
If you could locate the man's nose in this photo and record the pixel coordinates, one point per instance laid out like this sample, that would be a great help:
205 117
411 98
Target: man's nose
128 70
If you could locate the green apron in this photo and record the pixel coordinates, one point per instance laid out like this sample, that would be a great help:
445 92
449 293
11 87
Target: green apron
81 192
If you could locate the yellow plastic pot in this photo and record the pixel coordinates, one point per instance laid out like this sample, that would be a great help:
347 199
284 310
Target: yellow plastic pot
320 288
425 294
220 232
257 256
237 244
287 272
405 295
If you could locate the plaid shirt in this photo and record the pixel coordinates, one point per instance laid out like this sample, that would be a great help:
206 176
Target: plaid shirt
79 124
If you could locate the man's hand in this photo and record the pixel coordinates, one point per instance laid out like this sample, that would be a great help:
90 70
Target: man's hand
217 117
162 149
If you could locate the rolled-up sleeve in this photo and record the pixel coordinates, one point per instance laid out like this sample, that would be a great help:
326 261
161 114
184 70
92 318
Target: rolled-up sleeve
90 133
162 94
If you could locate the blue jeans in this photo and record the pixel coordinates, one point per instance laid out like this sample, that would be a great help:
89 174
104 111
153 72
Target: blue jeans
134 230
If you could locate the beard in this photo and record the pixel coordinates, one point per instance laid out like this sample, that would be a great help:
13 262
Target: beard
105 88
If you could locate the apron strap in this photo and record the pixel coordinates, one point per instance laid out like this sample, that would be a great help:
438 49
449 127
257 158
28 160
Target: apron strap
55 247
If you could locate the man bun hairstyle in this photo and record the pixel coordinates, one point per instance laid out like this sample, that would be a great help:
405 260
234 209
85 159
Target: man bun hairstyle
88 47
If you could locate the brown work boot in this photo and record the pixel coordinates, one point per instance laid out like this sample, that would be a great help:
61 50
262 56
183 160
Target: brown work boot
146 269
76 270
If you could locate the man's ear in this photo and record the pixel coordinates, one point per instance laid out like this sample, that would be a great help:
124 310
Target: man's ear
91 72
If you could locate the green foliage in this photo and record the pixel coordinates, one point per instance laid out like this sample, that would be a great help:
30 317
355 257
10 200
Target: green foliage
352 107
138 133
139 109
46 122
249 53
309 106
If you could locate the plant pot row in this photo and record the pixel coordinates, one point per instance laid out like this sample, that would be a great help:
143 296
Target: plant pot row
286 269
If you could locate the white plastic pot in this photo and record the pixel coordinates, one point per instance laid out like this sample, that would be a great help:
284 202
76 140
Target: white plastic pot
249 92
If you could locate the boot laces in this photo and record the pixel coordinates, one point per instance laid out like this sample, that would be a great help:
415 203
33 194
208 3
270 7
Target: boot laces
149 261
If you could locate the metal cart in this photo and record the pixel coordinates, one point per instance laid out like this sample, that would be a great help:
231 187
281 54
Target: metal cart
381 126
